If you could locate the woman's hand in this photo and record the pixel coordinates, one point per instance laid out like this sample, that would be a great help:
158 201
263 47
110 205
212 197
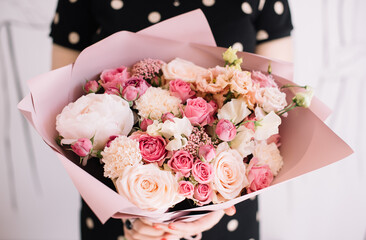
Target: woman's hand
144 230
195 228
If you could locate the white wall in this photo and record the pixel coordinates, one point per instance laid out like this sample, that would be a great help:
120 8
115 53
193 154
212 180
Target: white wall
330 54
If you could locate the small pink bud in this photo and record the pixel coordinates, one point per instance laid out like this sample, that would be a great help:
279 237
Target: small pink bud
207 152
130 93
82 147
91 87
167 116
145 123
225 130
113 91
111 138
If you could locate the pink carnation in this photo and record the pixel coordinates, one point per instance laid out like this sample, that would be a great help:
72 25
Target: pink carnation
259 177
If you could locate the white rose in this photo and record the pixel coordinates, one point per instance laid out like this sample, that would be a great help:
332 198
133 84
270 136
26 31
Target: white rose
98 115
243 141
235 110
182 69
268 126
230 177
271 99
269 154
148 187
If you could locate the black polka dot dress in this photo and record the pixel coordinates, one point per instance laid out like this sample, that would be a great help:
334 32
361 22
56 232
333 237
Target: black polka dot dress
238 23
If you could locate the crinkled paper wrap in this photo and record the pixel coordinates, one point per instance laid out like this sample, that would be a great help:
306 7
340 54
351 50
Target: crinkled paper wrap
307 143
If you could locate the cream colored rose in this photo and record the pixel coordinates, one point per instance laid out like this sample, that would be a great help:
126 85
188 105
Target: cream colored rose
243 142
271 99
148 187
229 171
241 82
182 69
268 126
235 110
269 154
98 115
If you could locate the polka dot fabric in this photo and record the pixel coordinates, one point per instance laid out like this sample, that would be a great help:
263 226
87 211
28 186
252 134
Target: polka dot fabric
244 24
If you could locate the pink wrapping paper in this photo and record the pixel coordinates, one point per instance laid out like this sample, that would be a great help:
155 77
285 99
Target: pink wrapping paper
307 143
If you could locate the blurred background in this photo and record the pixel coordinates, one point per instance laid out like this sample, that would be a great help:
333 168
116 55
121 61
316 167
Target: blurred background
38 200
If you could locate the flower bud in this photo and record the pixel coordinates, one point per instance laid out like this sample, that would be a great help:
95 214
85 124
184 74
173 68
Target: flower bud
225 130
145 123
82 147
207 152
167 116
91 87
303 99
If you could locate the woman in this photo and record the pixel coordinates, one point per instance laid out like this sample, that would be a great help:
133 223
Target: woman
260 26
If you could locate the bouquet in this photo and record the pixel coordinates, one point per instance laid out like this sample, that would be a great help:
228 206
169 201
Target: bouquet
197 127
166 132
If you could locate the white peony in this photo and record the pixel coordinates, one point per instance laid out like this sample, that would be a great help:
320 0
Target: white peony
268 126
269 154
243 141
98 115
148 187
235 110
271 99
182 69
230 177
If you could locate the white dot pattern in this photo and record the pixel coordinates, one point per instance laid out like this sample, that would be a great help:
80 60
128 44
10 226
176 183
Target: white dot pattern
232 225
208 3
89 223
154 17
278 7
121 238
56 19
73 1
176 3
98 31
238 46
117 4
261 4
262 35
251 239
257 216
74 38
247 9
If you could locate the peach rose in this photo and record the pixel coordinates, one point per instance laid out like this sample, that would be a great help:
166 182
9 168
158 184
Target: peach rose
148 187
229 170
215 80
182 69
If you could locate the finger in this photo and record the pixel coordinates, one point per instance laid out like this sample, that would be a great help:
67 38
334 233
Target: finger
230 211
138 236
198 226
145 229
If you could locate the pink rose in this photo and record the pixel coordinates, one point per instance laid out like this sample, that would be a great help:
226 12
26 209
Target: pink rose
225 130
198 111
91 87
111 138
167 116
181 162
82 147
207 152
133 88
186 189
202 194
114 78
145 123
152 148
202 172
181 89
259 176
263 80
